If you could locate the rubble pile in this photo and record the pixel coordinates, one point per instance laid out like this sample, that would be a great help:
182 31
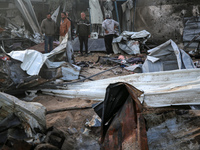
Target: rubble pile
142 96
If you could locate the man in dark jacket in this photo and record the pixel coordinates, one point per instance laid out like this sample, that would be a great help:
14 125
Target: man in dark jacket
83 32
48 27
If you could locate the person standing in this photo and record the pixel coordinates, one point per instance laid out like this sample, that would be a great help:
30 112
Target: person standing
109 26
72 25
48 27
64 26
83 32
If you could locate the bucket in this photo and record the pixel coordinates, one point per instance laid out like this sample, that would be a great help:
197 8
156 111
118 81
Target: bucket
94 35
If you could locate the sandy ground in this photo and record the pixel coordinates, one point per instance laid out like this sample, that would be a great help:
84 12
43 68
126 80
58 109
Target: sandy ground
72 122
64 120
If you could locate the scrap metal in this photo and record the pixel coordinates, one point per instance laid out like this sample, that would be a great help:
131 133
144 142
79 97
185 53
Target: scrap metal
122 126
167 56
176 87
30 114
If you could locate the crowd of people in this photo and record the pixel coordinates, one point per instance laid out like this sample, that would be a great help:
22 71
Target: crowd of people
48 27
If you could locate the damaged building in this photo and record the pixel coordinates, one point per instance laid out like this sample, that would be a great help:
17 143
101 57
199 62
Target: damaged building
145 95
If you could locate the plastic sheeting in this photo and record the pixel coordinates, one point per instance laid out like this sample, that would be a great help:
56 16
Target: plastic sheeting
70 72
167 56
128 43
32 60
95 12
137 35
177 87
54 16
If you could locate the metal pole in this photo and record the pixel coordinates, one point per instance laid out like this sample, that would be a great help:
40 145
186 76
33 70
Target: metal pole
90 20
134 15
117 16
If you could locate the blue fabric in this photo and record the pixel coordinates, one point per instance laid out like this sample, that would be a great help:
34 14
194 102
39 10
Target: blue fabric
48 43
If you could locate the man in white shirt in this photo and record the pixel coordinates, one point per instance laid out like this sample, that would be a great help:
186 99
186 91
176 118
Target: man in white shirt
109 26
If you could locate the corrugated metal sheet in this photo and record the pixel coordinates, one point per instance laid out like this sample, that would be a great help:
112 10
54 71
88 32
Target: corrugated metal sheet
178 87
123 126
191 29
31 115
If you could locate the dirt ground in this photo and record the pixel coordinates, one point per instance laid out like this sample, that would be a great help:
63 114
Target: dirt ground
95 66
72 122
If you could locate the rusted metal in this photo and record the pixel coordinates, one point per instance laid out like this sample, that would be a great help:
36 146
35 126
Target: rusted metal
123 126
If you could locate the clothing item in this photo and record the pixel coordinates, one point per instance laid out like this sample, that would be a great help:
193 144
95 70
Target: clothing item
109 26
83 39
108 43
48 27
83 27
71 28
64 26
48 42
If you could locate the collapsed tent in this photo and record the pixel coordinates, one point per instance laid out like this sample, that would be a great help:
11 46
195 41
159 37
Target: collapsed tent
167 56
32 61
129 42
30 68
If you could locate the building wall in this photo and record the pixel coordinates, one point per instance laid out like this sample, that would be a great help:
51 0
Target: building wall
163 18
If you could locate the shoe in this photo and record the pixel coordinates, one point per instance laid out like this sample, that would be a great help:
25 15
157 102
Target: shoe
86 55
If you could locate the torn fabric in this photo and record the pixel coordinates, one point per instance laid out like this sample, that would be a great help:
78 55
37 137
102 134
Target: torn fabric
95 12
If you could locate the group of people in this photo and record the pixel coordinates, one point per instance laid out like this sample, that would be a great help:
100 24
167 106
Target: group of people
49 28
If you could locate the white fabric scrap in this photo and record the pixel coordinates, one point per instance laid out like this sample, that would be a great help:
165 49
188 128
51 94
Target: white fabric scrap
32 60
95 12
